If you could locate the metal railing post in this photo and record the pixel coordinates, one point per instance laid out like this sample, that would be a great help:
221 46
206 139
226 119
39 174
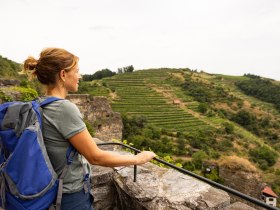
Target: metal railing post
135 169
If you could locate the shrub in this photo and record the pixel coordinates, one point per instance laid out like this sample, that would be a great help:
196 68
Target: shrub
90 128
225 145
198 158
4 97
202 108
189 165
263 156
213 153
229 127
214 175
244 118
181 148
84 87
202 140
26 94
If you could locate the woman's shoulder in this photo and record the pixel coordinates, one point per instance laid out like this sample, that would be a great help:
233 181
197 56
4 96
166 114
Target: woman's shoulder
63 105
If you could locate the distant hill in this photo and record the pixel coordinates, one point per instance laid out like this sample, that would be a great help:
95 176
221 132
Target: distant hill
9 68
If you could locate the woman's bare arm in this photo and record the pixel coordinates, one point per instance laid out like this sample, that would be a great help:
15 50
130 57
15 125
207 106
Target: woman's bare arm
85 145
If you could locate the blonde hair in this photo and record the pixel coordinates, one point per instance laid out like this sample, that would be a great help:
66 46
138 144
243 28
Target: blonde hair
49 64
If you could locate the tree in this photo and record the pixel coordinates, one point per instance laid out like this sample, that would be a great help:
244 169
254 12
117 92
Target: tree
88 77
202 108
126 69
198 158
98 75
120 71
264 156
129 68
229 127
244 118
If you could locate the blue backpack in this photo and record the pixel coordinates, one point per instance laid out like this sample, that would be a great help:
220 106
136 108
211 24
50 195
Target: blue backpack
27 178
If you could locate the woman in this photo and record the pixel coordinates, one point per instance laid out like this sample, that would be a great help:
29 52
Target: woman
63 126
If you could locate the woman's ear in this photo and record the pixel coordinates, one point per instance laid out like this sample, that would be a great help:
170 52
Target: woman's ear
62 75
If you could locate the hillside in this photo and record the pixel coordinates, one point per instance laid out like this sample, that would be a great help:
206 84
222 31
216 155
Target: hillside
151 93
196 111
8 68
162 96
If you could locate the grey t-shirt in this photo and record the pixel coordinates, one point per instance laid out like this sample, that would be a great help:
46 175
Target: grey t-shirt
62 120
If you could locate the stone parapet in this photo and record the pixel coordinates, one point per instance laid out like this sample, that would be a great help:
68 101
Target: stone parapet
156 188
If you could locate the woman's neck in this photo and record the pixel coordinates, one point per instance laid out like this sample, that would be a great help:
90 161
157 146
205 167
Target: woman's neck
57 92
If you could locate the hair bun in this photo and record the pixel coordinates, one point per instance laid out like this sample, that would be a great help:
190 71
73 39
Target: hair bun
30 64
30 67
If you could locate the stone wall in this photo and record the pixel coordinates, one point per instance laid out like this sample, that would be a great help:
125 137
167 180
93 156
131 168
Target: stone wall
156 188
97 111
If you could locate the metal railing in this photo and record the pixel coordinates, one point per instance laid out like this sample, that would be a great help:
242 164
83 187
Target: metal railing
184 171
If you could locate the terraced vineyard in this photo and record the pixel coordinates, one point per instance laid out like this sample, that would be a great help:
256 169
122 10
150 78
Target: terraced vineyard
150 93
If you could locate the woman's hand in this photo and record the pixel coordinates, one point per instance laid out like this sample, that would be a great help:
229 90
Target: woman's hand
144 157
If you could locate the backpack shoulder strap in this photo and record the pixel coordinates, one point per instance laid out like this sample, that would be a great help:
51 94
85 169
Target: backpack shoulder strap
49 100
70 154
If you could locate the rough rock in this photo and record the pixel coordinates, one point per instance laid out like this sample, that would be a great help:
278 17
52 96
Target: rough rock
98 112
156 188
160 188
245 182
103 190
239 206
9 82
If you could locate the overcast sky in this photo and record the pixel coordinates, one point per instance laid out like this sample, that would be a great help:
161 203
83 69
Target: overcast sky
218 36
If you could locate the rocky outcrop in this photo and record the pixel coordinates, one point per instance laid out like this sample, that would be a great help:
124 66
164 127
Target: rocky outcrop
238 206
247 182
160 188
97 111
9 82
243 181
105 195
156 188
